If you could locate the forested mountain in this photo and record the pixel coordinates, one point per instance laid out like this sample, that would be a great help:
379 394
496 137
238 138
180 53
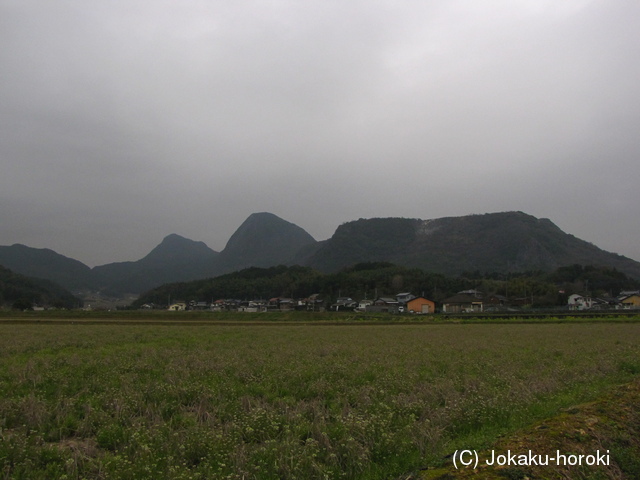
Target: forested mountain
505 242
175 259
47 264
19 291
263 240
496 242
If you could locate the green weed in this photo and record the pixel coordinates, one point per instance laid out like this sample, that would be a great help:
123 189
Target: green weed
284 401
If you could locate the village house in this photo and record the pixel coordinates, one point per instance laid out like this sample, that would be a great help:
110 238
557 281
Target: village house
468 301
421 305
218 305
281 303
386 302
253 306
496 300
383 304
630 301
312 303
579 302
363 305
605 303
344 303
193 305
404 297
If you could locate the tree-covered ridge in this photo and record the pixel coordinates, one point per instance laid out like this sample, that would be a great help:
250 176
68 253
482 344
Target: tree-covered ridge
364 280
18 291
376 279
45 263
505 242
495 242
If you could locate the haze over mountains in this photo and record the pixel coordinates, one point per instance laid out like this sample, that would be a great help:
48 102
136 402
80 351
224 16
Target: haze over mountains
496 242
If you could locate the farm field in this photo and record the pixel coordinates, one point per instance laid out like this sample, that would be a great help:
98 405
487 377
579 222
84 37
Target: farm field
286 401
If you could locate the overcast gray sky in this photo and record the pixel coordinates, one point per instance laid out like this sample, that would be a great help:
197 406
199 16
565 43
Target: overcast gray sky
124 121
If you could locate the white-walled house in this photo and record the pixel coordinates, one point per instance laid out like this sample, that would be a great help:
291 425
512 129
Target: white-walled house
579 302
178 307
363 305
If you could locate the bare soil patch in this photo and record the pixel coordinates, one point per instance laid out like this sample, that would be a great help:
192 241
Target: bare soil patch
610 424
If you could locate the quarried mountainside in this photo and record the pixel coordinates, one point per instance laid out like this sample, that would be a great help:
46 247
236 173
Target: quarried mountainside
495 242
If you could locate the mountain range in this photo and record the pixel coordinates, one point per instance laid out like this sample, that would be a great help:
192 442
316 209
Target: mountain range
493 242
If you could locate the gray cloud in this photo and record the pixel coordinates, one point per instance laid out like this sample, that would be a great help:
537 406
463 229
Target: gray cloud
122 122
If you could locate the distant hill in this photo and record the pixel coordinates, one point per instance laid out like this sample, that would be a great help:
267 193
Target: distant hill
263 240
175 259
23 292
47 264
495 242
364 240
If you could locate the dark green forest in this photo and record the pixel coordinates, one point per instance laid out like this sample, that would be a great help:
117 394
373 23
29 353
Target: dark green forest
22 293
376 279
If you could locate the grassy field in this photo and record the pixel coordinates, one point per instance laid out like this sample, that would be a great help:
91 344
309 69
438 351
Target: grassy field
286 401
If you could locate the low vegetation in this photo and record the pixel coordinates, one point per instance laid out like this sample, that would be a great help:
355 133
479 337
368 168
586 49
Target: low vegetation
606 431
286 401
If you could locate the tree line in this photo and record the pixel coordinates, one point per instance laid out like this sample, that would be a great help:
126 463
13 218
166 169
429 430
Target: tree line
375 279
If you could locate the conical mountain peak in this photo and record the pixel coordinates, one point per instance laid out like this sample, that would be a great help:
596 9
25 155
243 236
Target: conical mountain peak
175 247
264 239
